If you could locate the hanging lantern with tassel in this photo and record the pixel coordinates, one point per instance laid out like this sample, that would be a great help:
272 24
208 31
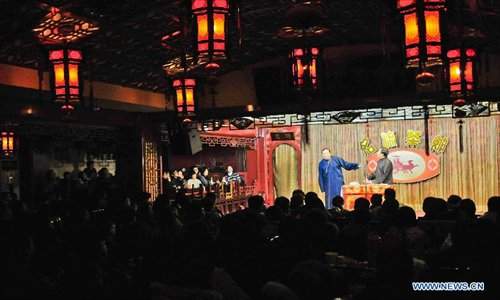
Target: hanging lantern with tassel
422 32
66 77
305 67
185 97
8 143
211 22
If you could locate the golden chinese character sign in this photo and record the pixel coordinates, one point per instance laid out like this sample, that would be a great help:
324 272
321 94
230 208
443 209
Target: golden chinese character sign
413 139
439 144
389 139
366 147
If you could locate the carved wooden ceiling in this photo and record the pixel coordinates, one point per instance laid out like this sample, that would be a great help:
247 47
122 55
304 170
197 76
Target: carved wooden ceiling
127 49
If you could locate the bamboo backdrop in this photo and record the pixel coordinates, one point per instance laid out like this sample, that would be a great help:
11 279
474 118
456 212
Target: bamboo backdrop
472 174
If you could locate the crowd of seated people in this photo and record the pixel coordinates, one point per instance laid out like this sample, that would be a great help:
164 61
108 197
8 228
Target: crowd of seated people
197 178
72 246
88 181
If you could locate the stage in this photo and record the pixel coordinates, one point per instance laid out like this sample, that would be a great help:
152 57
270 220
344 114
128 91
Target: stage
275 160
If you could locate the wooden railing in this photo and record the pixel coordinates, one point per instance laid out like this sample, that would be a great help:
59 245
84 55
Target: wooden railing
229 197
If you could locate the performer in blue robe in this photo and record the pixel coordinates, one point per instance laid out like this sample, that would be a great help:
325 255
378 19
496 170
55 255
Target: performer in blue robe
331 179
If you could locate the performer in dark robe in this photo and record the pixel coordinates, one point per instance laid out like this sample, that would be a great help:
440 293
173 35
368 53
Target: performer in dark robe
331 179
383 173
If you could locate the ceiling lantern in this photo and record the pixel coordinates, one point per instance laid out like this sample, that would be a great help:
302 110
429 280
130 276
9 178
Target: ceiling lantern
59 26
422 31
461 73
65 74
185 101
305 67
59 29
7 143
211 30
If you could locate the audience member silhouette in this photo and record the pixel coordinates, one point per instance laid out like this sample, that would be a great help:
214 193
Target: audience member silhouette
78 244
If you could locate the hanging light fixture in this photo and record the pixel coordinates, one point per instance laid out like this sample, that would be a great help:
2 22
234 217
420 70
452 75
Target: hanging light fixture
305 67
59 29
66 77
461 74
63 27
422 32
211 30
8 145
185 97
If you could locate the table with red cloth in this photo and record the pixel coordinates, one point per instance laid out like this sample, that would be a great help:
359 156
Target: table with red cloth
353 192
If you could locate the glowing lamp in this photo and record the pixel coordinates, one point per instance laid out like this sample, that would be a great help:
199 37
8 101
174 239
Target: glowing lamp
305 67
210 18
7 143
185 96
422 31
461 72
65 74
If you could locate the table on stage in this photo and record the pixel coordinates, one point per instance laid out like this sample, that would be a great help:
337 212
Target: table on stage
353 192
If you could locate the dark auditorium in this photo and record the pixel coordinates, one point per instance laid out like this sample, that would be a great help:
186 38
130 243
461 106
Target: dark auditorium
250 149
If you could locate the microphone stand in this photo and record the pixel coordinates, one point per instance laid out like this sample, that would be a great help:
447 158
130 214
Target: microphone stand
366 180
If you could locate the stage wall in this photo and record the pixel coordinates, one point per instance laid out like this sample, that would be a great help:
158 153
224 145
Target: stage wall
472 174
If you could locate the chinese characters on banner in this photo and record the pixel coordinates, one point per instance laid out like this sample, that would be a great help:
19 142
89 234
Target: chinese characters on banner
439 144
413 139
366 147
389 139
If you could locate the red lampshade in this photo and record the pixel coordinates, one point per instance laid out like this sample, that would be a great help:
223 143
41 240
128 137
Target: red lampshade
66 79
422 31
7 142
461 73
211 28
305 67
185 96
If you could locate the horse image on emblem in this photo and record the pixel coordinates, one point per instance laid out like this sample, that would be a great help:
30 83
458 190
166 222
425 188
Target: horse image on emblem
402 167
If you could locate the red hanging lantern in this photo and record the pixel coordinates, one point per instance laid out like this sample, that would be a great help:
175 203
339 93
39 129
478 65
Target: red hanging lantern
185 96
305 67
66 79
7 143
211 29
422 31
461 73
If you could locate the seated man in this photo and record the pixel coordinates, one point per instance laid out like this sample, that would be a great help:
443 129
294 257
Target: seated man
231 176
